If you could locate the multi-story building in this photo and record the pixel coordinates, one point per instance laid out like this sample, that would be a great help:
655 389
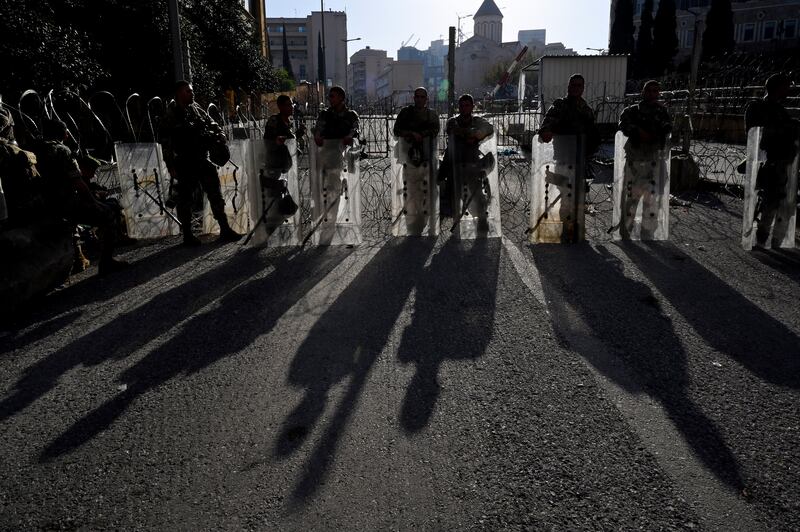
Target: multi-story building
304 42
759 25
363 71
395 85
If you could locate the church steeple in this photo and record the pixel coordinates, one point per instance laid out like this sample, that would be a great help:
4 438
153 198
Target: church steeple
489 22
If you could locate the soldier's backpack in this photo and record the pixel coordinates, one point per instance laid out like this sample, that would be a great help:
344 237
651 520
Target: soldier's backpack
21 182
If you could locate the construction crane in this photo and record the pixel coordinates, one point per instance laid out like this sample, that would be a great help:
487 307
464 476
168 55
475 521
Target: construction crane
404 43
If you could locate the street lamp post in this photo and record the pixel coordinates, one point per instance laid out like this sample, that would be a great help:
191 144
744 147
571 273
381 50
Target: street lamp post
346 58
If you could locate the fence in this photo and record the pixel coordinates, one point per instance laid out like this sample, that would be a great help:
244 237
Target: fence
97 122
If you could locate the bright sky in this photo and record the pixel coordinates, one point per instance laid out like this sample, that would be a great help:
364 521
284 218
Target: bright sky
382 24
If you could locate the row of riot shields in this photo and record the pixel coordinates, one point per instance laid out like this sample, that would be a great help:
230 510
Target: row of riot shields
641 192
253 203
558 190
415 188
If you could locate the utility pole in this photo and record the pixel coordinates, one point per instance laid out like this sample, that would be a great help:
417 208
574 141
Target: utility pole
699 27
322 17
175 31
451 72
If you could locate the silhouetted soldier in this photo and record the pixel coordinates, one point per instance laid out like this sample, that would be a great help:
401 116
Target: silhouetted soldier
187 134
779 141
415 123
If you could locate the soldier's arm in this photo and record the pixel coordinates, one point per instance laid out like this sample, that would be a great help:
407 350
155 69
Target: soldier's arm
483 129
165 132
432 125
627 123
401 123
354 125
271 128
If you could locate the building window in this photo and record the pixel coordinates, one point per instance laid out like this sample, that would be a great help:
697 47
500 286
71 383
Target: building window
301 29
302 71
768 31
789 29
749 32
689 43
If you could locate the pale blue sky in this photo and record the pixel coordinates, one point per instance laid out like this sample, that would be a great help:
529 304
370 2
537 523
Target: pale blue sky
382 24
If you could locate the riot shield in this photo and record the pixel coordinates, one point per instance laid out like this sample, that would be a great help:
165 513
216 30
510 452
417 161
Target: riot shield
557 190
335 194
641 190
271 226
415 192
234 177
476 199
3 206
770 197
144 185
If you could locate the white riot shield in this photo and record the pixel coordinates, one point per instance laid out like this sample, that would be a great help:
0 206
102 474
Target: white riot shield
3 207
476 198
270 227
773 216
335 194
234 177
641 191
144 185
415 192
557 190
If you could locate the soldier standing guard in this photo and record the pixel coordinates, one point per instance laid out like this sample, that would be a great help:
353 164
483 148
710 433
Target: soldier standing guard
778 140
416 123
571 115
337 121
647 124
186 136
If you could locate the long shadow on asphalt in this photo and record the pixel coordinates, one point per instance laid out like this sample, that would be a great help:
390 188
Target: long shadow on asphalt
786 261
95 289
625 315
454 311
343 345
131 330
242 313
727 320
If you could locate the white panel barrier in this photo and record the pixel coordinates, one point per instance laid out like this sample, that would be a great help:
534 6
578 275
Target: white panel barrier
144 185
777 217
234 177
476 201
641 191
415 191
270 226
335 194
557 190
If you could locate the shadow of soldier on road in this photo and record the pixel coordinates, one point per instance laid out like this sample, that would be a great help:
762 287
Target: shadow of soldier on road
245 310
343 345
626 316
453 320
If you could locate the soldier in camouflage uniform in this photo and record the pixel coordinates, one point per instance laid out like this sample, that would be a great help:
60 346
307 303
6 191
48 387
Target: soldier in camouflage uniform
779 141
571 115
464 133
68 195
337 121
278 129
648 123
186 134
416 123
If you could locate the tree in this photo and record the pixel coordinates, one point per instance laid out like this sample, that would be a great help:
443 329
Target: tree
718 37
287 61
643 60
621 38
665 36
124 47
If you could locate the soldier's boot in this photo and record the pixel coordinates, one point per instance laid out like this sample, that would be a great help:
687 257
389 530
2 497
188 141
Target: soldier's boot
226 234
185 218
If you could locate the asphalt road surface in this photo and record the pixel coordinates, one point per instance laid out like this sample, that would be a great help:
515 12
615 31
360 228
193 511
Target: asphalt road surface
413 384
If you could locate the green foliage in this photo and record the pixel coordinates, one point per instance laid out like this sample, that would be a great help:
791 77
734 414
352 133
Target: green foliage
665 37
285 82
124 47
718 37
621 36
40 50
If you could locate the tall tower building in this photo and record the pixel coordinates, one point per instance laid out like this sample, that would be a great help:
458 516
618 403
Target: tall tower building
489 22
